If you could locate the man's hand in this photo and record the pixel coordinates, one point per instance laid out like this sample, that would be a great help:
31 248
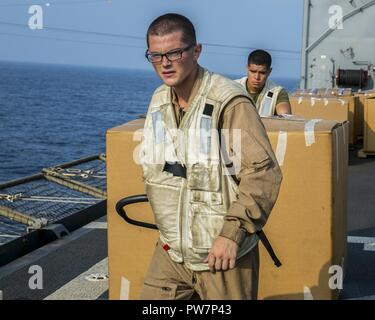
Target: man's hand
222 254
283 108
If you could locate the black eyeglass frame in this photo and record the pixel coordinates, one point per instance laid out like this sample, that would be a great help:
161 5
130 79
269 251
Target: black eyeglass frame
148 54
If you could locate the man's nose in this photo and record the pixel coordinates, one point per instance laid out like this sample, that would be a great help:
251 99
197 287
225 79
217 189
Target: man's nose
257 76
165 61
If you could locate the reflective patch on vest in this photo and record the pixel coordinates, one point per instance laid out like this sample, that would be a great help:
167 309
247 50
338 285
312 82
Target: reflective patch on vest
205 134
267 105
157 123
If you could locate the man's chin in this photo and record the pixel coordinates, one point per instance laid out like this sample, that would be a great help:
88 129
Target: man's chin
169 81
257 87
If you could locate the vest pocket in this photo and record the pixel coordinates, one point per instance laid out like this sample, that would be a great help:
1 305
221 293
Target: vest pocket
205 228
204 177
158 290
164 201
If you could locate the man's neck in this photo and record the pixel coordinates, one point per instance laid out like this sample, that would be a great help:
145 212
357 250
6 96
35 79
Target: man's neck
183 91
253 90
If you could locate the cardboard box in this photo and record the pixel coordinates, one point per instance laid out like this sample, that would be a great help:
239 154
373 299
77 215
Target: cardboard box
356 101
306 93
323 92
129 247
336 92
355 118
328 108
369 125
355 112
360 108
307 227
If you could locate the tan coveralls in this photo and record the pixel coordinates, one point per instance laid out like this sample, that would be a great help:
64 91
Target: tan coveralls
167 279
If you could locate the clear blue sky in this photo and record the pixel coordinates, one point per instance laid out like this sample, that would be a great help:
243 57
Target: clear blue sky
238 24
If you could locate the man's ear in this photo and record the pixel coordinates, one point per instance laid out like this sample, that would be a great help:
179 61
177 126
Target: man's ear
197 51
269 71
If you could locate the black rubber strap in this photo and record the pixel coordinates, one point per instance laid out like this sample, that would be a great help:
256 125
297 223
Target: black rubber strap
268 247
176 169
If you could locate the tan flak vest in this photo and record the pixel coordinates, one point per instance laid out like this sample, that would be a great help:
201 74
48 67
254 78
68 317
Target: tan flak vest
266 103
186 183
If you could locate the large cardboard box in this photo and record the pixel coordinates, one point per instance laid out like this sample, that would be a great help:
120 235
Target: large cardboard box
129 247
306 93
369 125
355 118
355 110
360 108
307 227
327 108
355 113
323 92
336 92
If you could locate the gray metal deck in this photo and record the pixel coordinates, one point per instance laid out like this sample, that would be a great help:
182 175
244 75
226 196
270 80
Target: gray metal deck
360 278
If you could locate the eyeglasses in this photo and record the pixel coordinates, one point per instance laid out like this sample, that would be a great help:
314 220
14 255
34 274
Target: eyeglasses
172 55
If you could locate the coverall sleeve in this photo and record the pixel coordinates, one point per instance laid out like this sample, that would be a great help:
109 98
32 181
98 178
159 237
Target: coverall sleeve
259 175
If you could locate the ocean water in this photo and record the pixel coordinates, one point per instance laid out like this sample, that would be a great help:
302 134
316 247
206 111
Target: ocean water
51 114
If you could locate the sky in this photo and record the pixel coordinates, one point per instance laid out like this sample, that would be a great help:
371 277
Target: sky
111 33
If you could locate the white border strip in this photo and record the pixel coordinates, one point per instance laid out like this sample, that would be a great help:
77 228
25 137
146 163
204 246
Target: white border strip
124 289
282 142
310 131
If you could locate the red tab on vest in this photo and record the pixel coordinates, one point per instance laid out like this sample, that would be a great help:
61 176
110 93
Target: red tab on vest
166 247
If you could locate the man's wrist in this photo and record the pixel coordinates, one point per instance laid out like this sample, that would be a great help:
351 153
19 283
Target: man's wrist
232 230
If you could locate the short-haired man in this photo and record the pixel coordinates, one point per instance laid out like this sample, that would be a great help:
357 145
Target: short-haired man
270 99
207 216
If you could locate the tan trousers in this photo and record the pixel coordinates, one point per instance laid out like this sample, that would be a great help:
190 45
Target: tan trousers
167 279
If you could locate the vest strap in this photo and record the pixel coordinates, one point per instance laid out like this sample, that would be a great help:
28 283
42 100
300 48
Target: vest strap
267 245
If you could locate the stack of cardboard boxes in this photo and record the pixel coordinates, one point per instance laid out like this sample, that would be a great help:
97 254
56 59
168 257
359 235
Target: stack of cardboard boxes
307 227
358 111
329 104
